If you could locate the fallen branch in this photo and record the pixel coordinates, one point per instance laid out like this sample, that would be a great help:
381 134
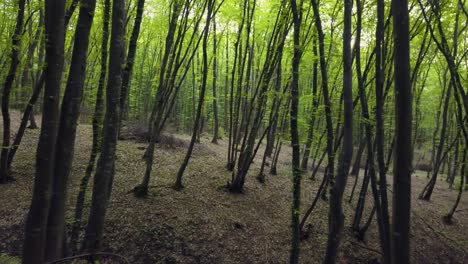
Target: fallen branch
364 247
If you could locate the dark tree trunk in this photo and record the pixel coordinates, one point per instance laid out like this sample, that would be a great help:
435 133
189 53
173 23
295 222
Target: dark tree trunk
325 92
252 116
403 152
358 158
362 198
455 166
170 65
28 113
97 131
215 79
438 161
429 188
105 165
36 223
64 149
384 240
226 85
127 73
201 99
379 134
296 169
448 218
10 78
335 215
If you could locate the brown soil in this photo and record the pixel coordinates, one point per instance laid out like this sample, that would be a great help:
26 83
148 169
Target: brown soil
205 224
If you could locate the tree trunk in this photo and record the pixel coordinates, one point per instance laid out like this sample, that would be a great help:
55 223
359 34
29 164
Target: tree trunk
358 158
127 73
64 149
215 79
403 152
10 78
28 113
335 215
296 169
325 92
105 165
201 99
448 218
36 223
97 132
379 134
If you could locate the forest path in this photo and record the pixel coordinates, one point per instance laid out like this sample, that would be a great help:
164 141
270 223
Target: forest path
205 224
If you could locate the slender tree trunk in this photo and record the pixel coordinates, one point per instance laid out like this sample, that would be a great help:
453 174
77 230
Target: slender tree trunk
105 165
325 92
429 188
156 118
362 198
127 73
456 164
201 99
14 62
358 158
28 112
97 132
379 134
384 240
215 79
296 169
448 218
335 215
36 223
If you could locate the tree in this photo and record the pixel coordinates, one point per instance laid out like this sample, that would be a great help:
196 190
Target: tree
127 73
201 99
64 149
15 50
403 152
296 170
105 168
36 223
335 215
97 128
214 86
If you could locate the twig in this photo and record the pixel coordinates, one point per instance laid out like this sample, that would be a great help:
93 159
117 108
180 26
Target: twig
364 247
90 255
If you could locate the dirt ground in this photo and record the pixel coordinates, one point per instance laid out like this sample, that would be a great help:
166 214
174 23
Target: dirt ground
205 224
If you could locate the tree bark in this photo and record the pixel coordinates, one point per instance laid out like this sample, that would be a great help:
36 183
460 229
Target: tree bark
296 169
335 215
65 144
201 99
36 223
127 73
403 152
97 130
215 79
14 62
105 165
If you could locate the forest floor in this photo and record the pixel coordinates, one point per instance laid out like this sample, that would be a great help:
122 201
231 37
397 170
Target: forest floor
205 224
